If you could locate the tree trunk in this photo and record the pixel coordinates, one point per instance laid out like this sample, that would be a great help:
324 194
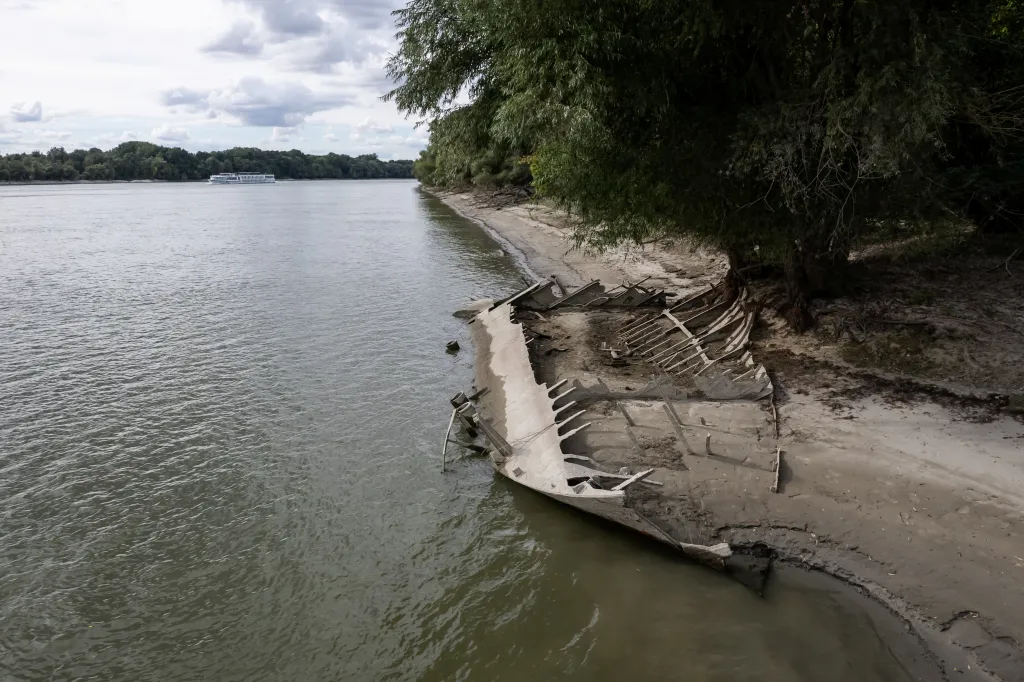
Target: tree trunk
811 273
733 279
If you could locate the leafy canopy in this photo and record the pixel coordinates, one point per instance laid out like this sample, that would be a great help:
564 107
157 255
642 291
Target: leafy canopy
783 129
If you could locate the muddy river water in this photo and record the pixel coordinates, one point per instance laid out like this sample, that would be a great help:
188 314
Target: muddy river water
221 411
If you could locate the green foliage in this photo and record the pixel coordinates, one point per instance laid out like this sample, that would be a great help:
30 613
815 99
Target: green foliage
779 132
146 161
985 144
462 151
446 50
423 168
98 171
1008 21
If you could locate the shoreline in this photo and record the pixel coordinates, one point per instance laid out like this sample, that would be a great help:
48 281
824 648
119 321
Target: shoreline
950 491
29 183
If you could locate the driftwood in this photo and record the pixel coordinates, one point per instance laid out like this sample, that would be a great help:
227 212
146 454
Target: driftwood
775 416
778 468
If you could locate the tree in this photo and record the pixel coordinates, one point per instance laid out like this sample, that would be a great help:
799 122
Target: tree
98 171
985 162
77 158
782 133
57 155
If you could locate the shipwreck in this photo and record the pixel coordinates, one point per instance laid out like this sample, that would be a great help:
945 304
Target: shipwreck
579 397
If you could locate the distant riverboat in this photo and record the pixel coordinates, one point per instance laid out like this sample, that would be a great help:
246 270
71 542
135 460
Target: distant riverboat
242 179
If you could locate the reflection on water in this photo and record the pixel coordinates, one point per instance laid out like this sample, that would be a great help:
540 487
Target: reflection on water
221 418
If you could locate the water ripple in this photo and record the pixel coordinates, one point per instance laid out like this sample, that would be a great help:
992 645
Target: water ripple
219 433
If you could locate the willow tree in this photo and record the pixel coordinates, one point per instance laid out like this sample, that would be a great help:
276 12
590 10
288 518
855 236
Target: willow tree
776 131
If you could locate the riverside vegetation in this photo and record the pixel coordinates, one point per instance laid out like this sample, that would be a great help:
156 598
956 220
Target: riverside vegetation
788 135
146 161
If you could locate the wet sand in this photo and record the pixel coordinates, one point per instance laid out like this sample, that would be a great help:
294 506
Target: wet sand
916 502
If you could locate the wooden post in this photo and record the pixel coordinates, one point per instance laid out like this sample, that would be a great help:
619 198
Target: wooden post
444 450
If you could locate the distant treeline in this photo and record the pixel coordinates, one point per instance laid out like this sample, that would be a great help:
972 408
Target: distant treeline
146 161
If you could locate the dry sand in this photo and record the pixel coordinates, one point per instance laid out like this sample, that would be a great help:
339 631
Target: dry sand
912 491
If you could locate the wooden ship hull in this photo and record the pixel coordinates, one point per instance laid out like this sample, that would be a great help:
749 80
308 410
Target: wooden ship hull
527 423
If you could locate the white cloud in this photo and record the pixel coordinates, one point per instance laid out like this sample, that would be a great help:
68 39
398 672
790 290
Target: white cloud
166 133
105 69
241 39
23 112
313 36
128 136
339 45
254 102
54 134
290 18
368 128
185 97
280 134
331 137
8 136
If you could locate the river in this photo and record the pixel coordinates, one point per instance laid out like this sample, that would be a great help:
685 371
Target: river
221 412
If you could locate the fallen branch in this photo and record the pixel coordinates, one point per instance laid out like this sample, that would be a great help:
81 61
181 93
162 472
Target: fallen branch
903 323
1013 255
775 416
1006 263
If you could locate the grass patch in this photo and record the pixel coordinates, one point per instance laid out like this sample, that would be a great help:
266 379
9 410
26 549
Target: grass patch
900 242
898 351
921 297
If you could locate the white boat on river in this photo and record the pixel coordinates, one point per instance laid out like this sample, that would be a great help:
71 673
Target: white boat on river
242 179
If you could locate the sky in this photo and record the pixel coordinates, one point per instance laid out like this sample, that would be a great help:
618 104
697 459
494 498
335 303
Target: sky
201 74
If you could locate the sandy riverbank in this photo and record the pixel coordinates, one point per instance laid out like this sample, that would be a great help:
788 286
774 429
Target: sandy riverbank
912 493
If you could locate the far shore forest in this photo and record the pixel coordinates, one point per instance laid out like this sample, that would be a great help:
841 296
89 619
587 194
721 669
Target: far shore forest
789 135
146 161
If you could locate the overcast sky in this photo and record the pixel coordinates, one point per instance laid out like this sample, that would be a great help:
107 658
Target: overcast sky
200 74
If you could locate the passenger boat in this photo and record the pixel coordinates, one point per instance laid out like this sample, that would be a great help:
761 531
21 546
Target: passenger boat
242 179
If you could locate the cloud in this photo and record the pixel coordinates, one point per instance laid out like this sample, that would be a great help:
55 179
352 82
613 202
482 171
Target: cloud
313 36
184 97
289 18
23 112
123 64
8 136
254 102
368 14
340 45
54 134
307 17
331 137
168 134
369 130
282 134
240 39
374 135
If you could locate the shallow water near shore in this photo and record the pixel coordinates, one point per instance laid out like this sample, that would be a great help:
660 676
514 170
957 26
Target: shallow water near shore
221 413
